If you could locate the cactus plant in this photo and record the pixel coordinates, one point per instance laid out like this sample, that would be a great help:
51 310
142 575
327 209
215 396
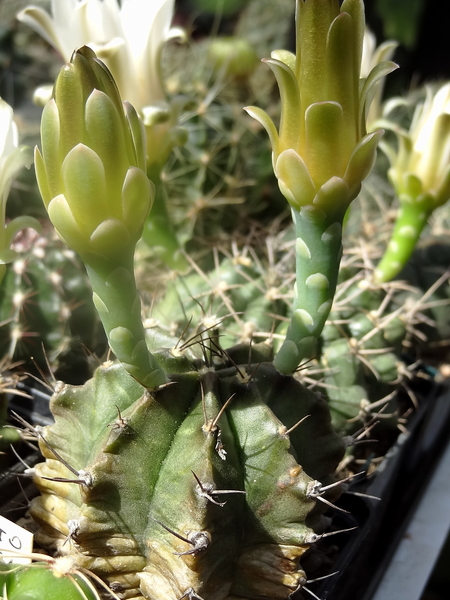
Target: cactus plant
148 410
188 448
201 467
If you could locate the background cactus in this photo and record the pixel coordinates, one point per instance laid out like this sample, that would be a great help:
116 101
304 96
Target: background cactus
46 309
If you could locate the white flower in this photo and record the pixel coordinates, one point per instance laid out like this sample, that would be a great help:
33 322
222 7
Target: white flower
12 158
128 38
421 166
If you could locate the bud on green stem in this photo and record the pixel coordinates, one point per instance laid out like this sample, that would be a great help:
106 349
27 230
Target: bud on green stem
91 174
420 174
321 152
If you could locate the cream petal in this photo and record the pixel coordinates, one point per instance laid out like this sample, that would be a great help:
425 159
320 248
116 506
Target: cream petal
262 117
43 24
9 137
333 196
294 179
106 133
41 176
443 191
7 256
84 184
19 158
284 56
109 238
290 122
362 160
138 133
324 152
65 224
50 140
368 89
411 185
17 225
137 198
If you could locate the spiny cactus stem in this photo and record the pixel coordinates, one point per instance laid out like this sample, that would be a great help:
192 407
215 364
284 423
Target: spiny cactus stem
117 302
318 255
159 232
411 219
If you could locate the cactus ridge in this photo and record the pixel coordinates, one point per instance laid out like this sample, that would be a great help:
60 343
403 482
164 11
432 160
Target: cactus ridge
196 489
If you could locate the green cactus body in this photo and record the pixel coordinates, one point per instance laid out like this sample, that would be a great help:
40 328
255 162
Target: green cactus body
176 495
234 291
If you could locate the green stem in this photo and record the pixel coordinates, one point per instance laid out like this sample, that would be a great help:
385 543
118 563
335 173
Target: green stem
117 302
411 219
318 255
159 232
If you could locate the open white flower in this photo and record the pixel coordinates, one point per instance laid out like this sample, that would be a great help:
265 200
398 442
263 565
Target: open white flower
128 36
12 158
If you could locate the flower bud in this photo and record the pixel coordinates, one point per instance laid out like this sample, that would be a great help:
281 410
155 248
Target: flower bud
421 167
91 172
420 174
321 152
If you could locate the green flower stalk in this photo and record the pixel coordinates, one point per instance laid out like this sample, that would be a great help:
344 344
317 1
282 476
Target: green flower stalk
91 175
12 159
321 153
420 174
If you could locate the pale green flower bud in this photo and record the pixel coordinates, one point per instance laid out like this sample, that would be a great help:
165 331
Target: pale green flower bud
420 174
322 133
91 172
97 194
421 166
